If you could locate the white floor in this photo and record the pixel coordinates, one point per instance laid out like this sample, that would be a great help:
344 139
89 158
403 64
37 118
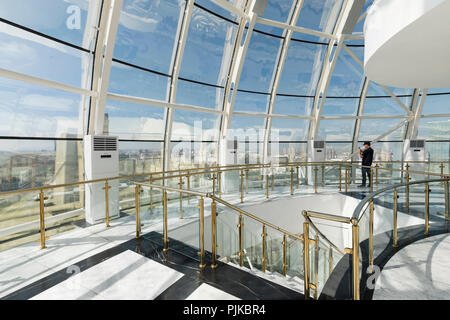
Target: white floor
207 292
126 276
419 271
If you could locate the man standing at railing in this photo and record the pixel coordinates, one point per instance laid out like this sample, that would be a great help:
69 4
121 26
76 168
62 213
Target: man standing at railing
366 155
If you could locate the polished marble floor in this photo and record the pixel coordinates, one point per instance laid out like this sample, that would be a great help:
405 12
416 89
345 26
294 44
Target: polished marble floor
26 265
419 271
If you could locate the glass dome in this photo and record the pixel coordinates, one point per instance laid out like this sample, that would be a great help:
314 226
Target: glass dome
158 73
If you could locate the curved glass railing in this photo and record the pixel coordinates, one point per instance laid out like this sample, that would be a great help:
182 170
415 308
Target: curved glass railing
180 197
384 220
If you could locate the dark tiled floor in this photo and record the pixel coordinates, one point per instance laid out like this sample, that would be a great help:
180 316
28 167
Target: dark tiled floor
183 259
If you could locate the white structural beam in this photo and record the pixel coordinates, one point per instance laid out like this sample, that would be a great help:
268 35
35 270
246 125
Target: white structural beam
414 122
231 8
328 68
46 83
159 103
281 59
237 63
359 114
293 27
398 126
388 91
102 64
177 58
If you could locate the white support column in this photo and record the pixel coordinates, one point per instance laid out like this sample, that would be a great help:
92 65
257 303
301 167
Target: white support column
237 63
417 109
281 59
362 102
328 68
103 60
388 91
177 58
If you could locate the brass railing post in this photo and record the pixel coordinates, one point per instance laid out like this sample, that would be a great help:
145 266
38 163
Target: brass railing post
340 178
246 181
264 249
298 177
219 182
427 209
346 178
213 235
292 181
267 186
273 181
316 267
371 179
306 256
106 188
355 258
214 184
188 184
181 197
285 244
315 178
442 171
151 195
241 241
371 216
376 174
330 261
42 218
165 231
323 175
395 236
201 206
242 186
407 186
447 200
137 200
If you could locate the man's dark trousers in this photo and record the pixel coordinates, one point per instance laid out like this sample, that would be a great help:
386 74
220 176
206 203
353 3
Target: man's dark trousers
365 171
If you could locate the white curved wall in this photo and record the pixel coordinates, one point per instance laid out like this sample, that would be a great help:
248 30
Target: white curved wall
407 43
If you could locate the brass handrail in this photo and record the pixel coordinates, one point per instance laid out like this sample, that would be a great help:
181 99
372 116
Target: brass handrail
356 217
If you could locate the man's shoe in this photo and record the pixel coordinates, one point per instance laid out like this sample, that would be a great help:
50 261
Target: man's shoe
361 186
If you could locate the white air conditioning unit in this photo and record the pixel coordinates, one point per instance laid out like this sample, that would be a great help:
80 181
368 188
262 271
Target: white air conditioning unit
231 152
414 153
101 160
317 151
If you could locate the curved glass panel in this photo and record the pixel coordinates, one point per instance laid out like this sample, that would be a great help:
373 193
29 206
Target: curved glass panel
28 110
259 62
340 106
293 105
302 68
434 128
147 32
199 95
373 128
70 21
336 130
385 106
134 121
290 129
251 102
278 10
436 103
139 83
348 77
27 53
247 128
209 48
192 125
320 15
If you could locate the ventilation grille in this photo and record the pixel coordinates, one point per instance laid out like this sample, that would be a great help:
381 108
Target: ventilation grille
319 144
417 144
105 144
